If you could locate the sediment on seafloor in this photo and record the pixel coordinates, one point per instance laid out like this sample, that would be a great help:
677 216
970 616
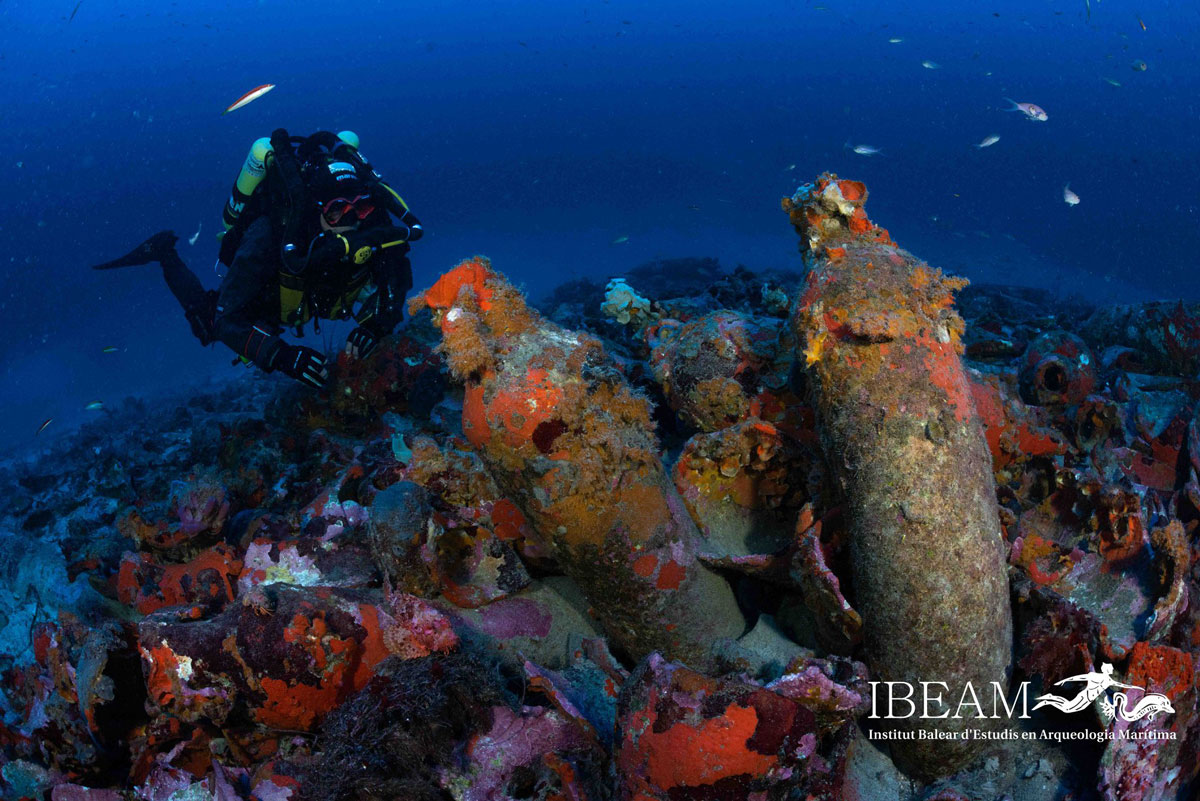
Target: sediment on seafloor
899 428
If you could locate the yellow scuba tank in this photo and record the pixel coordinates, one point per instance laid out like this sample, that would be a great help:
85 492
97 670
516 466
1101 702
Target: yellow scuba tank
253 171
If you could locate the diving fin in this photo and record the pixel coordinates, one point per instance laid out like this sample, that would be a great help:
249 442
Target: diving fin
155 248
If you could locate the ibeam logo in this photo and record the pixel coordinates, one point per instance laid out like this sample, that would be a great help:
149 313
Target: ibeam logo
1128 703
1096 686
900 704
899 701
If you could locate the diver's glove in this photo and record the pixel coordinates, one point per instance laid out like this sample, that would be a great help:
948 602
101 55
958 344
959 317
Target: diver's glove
360 343
203 318
303 364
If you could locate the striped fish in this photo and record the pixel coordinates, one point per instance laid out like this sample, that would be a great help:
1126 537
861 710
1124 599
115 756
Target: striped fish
249 97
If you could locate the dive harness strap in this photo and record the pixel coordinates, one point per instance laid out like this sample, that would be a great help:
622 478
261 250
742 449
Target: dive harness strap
292 199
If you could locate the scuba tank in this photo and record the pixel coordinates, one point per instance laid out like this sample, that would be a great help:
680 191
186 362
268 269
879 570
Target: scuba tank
253 171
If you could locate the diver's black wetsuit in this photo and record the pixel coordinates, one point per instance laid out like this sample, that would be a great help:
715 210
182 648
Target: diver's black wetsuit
199 305
247 313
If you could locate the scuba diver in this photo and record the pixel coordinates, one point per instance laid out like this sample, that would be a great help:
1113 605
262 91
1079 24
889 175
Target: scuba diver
307 227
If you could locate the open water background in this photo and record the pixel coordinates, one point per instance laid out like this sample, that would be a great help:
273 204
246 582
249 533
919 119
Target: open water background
537 133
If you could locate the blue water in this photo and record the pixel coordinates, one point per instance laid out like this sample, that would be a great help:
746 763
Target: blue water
539 132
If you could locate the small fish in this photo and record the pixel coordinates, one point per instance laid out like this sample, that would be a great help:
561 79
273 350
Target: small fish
42 427
895 40
192 239
620 240
1138 65
1069 197
989 141
249 97
791 167
110 349
864 150
931 65
1031 111
1088 3
94 406
693 207
1139 19
1110 81
75 11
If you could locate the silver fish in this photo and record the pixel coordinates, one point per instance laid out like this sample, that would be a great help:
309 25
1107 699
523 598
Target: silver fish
1032 111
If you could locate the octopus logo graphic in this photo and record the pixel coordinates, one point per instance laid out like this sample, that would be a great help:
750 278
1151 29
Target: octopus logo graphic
1097 686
